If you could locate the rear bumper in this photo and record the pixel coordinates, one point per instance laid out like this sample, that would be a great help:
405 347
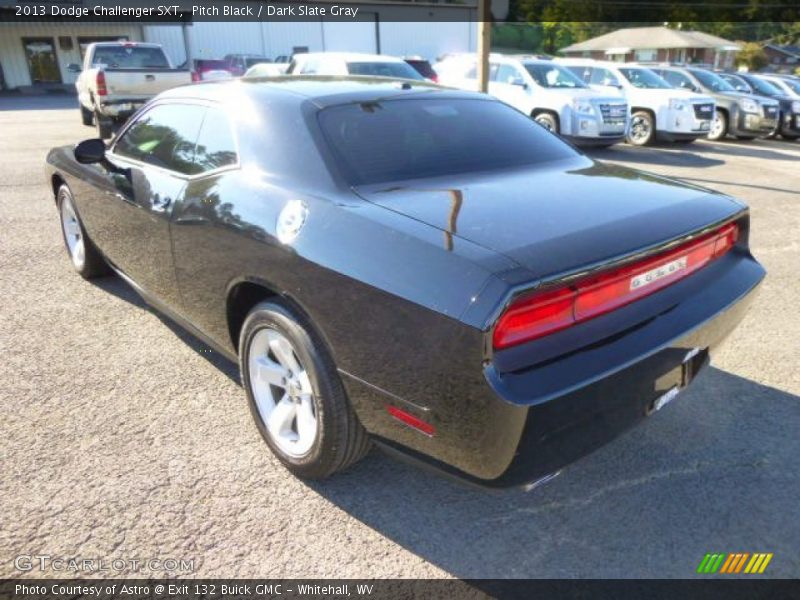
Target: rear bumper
120 107
533 421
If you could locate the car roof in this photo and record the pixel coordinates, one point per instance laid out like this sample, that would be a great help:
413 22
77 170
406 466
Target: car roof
350 56
323 91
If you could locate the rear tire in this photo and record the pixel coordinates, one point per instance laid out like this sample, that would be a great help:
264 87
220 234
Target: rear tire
642 131
296 397
87 117
105 126
85 257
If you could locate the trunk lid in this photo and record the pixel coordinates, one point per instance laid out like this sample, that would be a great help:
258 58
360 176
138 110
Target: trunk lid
558 216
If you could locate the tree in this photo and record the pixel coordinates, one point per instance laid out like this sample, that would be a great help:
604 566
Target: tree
752 56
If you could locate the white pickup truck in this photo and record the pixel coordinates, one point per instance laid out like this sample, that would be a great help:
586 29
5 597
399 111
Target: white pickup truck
117 78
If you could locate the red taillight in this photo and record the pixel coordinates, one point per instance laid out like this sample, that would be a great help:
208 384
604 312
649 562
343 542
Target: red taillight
540 314
100 84
195 76
411 420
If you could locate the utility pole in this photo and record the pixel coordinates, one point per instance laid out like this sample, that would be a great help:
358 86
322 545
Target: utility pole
484 42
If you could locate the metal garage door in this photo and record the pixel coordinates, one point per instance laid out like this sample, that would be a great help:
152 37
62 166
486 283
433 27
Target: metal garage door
350 37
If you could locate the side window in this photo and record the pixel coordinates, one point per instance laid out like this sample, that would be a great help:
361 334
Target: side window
164 136
507 74
310 66
676 79
216 146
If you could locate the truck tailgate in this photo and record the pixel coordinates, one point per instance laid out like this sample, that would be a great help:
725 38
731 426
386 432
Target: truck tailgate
144 83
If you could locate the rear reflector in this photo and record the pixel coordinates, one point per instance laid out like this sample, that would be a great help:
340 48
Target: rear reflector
411 420
539 314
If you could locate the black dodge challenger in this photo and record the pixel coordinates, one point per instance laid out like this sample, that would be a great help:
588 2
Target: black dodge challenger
402 263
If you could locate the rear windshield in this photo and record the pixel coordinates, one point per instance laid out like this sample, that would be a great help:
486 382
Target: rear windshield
207 64
130 57
257 60
383 69
397 140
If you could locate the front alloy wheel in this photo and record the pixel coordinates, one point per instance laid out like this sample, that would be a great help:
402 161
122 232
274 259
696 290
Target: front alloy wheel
85 257
641 131
719 126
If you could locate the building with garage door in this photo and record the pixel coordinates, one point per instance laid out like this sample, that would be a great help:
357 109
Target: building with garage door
35 56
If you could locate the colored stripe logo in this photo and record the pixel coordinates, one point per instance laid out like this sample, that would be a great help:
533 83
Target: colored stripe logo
734 562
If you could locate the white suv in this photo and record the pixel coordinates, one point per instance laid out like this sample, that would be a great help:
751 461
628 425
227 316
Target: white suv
352 63
549 93
657 109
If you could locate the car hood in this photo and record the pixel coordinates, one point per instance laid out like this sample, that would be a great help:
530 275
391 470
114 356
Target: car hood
587 93
687 95
559 216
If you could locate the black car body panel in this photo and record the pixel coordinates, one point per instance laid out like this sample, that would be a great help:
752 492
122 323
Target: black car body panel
404 283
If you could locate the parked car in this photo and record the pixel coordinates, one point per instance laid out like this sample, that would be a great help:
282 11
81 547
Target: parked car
790 85
351 63
550 94
424 267
789 117
423 67
741 115
265 70
238 64
117 78
658 111
206 69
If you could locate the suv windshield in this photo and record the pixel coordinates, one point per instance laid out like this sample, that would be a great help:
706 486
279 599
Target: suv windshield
384 69
396 140
553 76
763 87
712 81
644 79
130 57
739 84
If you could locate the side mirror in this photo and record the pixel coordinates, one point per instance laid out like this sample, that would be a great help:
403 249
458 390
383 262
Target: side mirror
518 81
74 68
90 151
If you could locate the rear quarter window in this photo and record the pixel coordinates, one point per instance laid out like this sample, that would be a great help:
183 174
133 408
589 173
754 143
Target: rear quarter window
394 140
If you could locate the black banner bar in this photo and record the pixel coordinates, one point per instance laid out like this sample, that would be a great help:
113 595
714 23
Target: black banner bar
705 588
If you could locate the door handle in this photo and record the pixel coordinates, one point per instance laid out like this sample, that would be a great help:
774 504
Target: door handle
160 204
150 77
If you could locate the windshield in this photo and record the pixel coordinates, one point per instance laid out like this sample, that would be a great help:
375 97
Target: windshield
130 57
396 140
793 84
384 69
764 87
739 84
644 79
712 81
553 76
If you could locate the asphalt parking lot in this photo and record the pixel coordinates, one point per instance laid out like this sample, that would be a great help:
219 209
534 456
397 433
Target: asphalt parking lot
124 437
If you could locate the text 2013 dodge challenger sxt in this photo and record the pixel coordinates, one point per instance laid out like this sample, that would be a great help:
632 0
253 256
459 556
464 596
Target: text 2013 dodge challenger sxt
422 267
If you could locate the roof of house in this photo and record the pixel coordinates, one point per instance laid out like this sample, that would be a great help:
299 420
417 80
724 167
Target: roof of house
790 50
640 38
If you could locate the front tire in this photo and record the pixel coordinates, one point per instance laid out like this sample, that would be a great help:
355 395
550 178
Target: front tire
296 397
85 256
719 126
642 131
548 121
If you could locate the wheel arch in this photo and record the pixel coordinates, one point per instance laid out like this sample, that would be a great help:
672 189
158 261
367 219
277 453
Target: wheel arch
538 111
245 293
649 111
